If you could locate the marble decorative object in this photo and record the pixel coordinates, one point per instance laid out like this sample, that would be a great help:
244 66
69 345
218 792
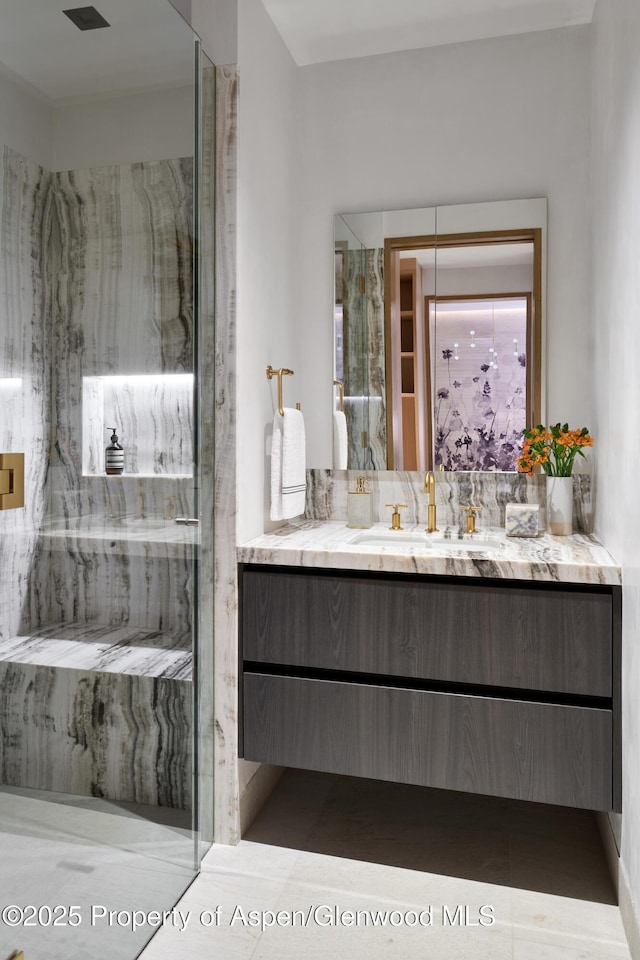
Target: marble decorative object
523 520
332 545
327 495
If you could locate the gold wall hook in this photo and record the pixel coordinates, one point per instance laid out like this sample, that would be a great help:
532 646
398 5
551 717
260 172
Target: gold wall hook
282 372
11 481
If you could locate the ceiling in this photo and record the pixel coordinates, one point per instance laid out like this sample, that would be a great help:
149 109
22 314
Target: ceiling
319 30
147 45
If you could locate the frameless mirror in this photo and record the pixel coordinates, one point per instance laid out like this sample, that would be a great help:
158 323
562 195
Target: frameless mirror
439 320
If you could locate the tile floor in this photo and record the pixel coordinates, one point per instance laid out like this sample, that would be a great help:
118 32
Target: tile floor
62 850
343 844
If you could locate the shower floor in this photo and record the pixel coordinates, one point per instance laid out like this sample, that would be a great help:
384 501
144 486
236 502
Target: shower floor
58 850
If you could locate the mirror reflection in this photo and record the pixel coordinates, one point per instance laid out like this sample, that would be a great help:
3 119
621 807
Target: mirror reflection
438 336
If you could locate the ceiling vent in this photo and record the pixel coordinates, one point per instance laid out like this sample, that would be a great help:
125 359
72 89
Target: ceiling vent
86 18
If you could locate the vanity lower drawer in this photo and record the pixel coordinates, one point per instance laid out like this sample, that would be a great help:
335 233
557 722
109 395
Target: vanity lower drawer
496 633
509 748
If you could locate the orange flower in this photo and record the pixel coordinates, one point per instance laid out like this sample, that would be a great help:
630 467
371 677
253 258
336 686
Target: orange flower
554 448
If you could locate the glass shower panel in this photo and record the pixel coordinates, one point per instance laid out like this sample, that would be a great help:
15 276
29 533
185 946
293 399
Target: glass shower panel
98 572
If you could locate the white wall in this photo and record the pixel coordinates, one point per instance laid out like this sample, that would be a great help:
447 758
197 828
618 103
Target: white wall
99 132
267 254
614 373
25 122
480 121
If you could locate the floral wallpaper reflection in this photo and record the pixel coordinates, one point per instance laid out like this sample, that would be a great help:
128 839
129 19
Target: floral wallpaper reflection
480 381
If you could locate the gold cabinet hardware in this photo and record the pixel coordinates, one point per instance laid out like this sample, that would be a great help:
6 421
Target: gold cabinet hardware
471 517
11 481
395 516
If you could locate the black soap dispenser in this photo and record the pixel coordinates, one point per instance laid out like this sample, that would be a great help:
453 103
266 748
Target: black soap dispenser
114 456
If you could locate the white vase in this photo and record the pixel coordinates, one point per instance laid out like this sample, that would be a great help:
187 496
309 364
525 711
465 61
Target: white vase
560 506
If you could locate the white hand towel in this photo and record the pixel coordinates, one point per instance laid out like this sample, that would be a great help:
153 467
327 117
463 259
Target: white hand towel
288 466
340 443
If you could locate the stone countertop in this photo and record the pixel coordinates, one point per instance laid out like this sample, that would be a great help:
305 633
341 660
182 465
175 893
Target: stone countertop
579 558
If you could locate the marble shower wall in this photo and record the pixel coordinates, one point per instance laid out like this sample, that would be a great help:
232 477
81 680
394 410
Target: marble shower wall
95 299
122 269
25 346
364 358
327 495
121 275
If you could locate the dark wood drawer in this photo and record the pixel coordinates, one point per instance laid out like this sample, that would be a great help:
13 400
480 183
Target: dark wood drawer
510 748
495 633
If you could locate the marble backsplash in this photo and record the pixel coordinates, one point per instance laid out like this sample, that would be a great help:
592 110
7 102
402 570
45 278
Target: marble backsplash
327 495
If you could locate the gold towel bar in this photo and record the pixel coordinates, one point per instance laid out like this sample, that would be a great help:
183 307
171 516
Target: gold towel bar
282 372
338 384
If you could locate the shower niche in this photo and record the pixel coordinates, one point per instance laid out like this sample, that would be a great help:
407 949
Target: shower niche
152 415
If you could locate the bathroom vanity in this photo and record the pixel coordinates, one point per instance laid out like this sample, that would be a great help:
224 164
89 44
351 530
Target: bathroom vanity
486 666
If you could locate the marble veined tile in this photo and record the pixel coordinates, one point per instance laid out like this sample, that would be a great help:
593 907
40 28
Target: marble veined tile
153 418
219 708
327 495
91 646
25 348
111 735
330 544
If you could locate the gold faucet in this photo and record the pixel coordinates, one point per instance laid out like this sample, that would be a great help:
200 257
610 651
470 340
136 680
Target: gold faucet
430 488
395 516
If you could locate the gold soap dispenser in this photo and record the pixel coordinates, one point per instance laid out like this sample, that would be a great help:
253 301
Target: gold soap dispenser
360 506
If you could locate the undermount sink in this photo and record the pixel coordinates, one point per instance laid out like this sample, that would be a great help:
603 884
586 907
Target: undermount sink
389 538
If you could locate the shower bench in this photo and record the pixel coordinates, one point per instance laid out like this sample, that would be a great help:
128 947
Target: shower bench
98 710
